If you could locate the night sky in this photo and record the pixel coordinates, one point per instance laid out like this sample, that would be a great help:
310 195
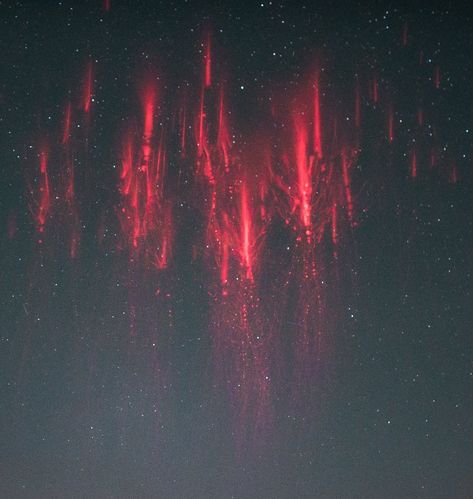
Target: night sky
235 246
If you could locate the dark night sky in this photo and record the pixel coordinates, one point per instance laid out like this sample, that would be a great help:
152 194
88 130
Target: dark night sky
87 412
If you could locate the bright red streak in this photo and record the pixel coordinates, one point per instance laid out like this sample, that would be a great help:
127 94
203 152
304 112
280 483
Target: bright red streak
317 119
148 101
145 215
126 174
304 181
207 63
200 126
204 150
302 172
247 242
223 136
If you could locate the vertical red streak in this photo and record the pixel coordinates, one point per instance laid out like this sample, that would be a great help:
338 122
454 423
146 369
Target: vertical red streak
357 104
304 184
88 88
163 253
334 224
136 224
347 187
208 171
73 245
223 239
145 216
262 196
200 127
66 134
207 62
183 131
437 77
375 90
453 173
127 164
107 5
433 157
404 34
390 124
70 193
224 265
148 103
317 119
414 163
223 136
44 191
246 233
420 116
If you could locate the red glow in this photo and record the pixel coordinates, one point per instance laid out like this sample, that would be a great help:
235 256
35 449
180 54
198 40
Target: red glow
288 173
414 163
437 77
148 99
148 103
304 169
390 124
42 206
453 173
347 187
207 62
433 157
223 136
67 124
247 235
404 35
420 116
357 104
334 226
200 126
88 89
145 215
317 119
